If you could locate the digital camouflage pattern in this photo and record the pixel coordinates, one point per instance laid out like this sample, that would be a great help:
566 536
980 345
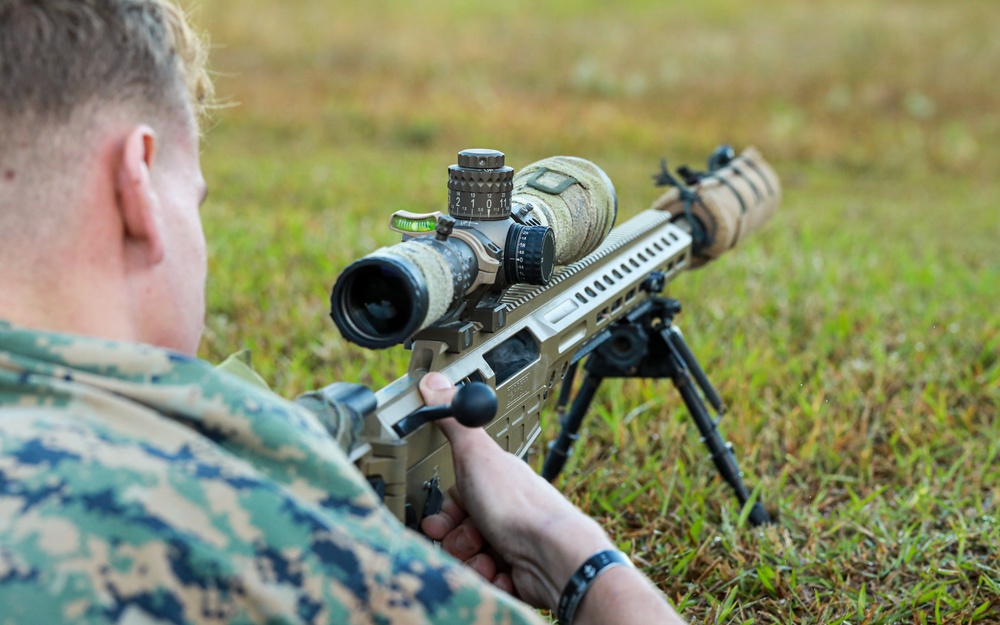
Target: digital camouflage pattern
141 486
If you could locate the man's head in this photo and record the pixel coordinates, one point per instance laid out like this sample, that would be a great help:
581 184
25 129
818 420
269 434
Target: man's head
99 175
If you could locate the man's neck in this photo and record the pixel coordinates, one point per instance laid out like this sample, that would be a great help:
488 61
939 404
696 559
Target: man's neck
73 304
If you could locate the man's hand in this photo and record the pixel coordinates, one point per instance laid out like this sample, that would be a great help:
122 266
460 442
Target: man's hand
521 534
533 529
460 537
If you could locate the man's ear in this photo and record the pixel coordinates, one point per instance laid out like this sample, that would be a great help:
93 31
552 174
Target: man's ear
137 202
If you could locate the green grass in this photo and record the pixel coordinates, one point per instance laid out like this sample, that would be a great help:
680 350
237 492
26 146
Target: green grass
855 339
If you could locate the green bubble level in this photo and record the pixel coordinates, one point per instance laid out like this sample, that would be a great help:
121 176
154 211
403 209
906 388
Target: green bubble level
425 224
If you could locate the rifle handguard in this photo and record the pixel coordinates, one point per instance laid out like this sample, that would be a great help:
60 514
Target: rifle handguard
731 203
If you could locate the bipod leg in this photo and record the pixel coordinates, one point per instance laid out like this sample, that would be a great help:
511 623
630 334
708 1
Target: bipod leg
686 367
561 448
565 392
676 340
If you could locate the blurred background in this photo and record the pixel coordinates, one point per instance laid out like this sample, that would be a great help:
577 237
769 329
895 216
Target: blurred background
855 338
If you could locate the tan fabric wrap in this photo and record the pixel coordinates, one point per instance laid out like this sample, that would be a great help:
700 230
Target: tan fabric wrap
733 211
437 276
582 215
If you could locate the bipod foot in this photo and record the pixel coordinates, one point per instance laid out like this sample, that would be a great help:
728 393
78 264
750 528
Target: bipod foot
687 369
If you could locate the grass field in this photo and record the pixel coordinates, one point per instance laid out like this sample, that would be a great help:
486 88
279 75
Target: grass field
855 339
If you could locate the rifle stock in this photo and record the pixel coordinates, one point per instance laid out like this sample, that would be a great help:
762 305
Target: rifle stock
546 329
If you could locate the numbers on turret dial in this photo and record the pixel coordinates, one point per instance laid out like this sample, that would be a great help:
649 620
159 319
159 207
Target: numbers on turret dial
468 205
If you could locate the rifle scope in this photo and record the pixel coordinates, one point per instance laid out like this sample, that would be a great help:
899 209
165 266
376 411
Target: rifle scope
501 229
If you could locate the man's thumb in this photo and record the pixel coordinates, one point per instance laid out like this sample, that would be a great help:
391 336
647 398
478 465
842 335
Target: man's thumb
436 389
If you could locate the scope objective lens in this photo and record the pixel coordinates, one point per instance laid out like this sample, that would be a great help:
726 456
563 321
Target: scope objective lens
379 301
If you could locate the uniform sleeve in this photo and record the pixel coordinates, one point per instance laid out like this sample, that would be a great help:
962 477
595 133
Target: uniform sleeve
141 486
100 526
343 424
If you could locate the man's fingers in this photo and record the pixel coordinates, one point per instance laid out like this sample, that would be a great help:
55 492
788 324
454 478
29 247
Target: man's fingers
504 582
437 526
484 565
453 507
464 542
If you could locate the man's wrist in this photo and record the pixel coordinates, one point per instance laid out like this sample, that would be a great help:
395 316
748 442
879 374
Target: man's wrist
623 595
566 544
582 580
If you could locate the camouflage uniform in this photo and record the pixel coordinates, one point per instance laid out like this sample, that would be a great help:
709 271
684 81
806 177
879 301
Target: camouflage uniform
141 486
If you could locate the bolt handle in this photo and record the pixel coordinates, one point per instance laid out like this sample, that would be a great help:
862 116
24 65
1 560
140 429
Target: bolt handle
474 406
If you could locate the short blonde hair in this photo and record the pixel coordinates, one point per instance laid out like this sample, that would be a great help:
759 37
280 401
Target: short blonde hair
57 56
66 65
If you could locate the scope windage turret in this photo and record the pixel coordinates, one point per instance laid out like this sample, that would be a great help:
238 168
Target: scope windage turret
501 229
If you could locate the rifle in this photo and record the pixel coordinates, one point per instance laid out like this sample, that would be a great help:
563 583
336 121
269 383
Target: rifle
476 294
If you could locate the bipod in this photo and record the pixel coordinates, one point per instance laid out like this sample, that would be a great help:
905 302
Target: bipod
646 344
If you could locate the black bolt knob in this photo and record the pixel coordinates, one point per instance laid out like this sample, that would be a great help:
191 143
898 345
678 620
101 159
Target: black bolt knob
475 405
